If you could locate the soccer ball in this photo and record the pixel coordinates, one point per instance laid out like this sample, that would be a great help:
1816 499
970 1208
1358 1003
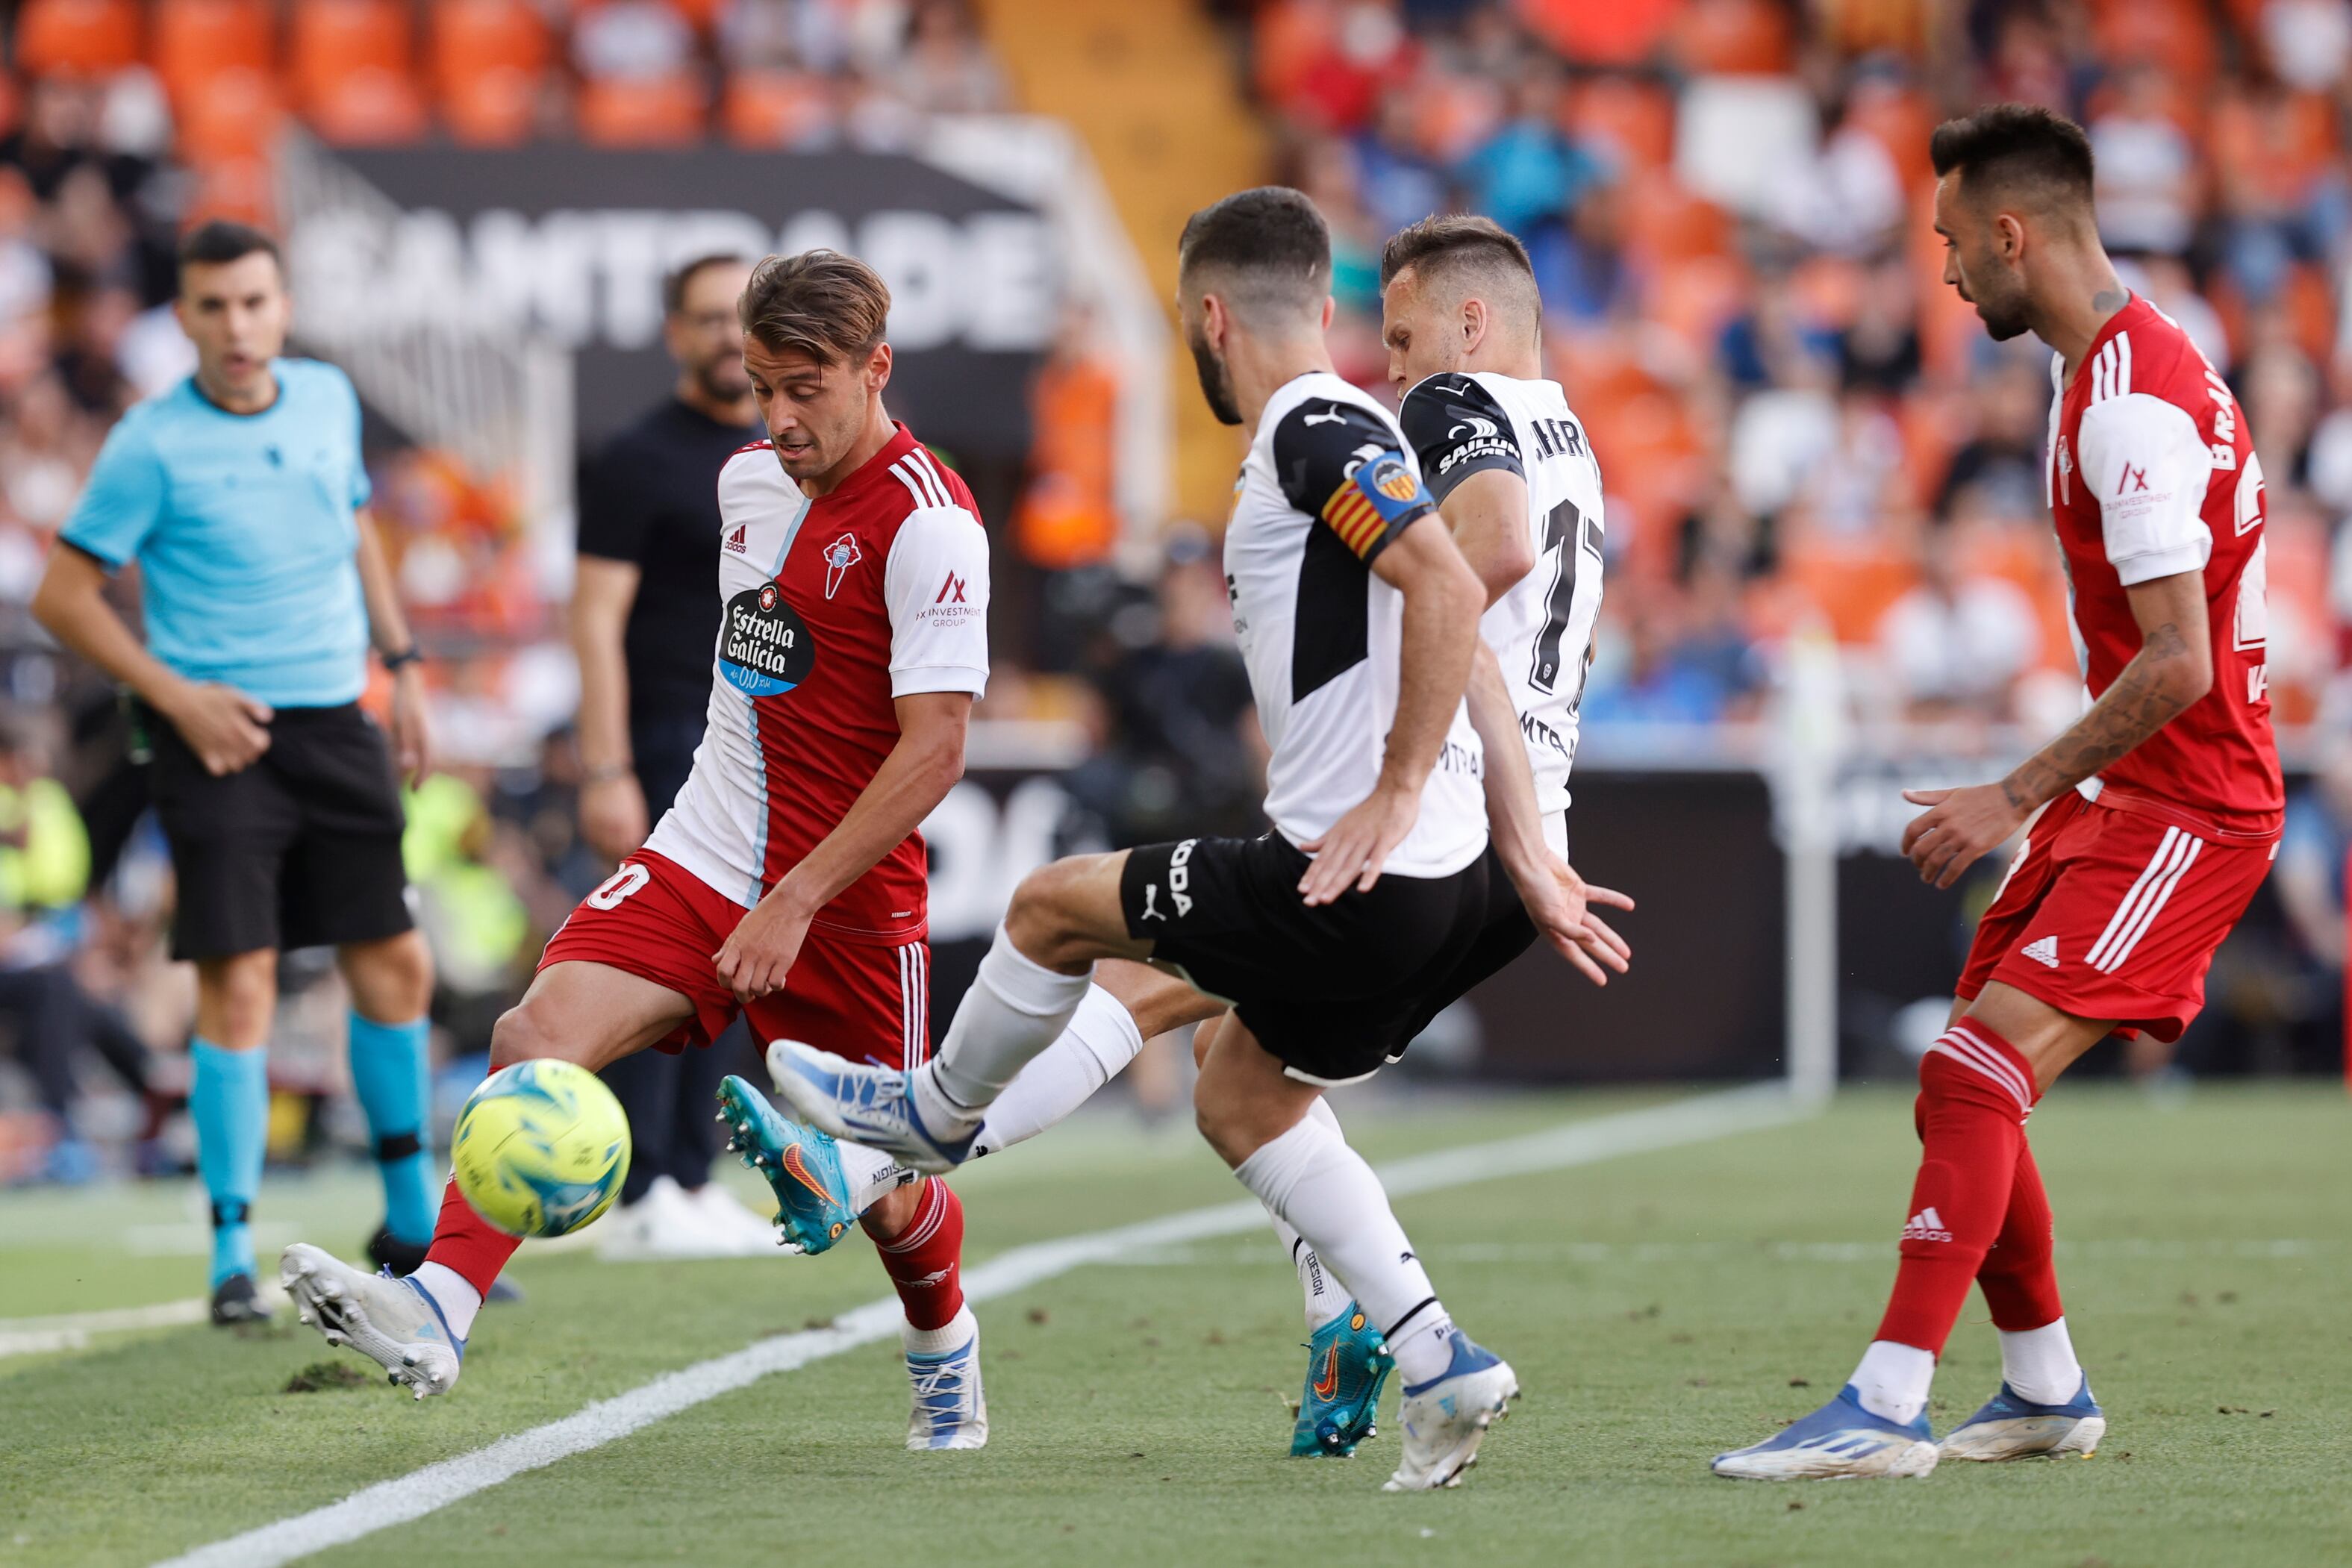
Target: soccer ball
542 1148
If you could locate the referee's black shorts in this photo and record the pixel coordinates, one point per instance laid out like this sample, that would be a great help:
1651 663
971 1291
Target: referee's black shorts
1333 992
299 849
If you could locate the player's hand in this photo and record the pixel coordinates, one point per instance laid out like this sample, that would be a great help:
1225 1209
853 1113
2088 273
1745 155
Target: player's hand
226 730
613 816
1961 826
1560 903
412 735
760 951
1351 853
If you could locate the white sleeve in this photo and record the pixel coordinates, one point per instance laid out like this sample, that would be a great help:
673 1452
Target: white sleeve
935 586
2144 460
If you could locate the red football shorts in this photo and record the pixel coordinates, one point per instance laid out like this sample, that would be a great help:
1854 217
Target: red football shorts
868 1000
2115 914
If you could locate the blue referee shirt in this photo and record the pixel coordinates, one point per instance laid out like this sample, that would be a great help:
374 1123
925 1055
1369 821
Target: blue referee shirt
245 531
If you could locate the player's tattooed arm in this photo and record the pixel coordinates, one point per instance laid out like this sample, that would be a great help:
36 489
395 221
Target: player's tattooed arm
2173 668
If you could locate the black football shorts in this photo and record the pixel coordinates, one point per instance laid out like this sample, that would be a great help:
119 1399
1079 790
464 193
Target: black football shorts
299 849
1333 992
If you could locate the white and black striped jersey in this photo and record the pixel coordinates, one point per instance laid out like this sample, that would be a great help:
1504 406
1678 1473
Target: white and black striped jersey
1328 484
1541 630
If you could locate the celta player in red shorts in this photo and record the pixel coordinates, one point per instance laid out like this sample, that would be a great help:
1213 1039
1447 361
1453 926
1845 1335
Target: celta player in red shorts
788 881
2159 812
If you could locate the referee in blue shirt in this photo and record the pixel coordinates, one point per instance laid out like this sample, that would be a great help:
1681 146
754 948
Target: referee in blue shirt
241 495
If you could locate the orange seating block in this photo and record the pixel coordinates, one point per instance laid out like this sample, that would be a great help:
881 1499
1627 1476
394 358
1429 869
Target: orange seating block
666 113
196 40
79 36
774 109
230 117
1742 37
494 108
1620 32
472 36
335 39
1634 118
368 107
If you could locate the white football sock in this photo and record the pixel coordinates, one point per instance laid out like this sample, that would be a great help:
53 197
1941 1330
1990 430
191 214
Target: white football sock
953 1334
1014 1008
1096 1048
1325 1298
2040 1364
457 1299
869 1175
1892 1380
1323 1189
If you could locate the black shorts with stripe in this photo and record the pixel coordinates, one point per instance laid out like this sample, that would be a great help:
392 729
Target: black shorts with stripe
1333 992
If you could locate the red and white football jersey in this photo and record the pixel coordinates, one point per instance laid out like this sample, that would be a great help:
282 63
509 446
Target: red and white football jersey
2152 472
834 608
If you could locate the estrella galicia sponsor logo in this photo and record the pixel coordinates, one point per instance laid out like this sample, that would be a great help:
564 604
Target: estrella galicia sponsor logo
764 648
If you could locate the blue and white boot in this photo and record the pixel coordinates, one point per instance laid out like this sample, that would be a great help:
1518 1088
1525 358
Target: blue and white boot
392 1321
870 1105
951 1406
800 1163
1348 1364
1839 1440
1445 1418
2010 1427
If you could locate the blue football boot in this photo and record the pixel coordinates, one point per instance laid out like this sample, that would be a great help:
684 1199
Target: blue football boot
800 1163
870 1105
1348 1364
1838 1440
950 1406
2009 1428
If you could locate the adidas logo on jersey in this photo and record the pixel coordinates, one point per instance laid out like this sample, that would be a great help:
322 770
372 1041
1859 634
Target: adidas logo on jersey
737 542
2043 952
1926 1226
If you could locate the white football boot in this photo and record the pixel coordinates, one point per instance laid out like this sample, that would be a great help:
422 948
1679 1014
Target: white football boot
1445 1418
950 1406
2012 1427
392 1321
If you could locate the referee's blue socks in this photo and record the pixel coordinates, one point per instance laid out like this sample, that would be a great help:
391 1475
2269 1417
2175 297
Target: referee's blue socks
392 1077
228 1098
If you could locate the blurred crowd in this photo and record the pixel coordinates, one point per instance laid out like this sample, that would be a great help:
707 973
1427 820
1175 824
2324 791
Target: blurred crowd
1727 201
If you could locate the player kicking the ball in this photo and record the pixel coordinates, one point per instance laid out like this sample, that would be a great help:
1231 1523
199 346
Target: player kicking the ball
2159 809
788 881
1339 932
1518 486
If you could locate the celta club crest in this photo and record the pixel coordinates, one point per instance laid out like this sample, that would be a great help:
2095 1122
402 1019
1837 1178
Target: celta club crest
839 557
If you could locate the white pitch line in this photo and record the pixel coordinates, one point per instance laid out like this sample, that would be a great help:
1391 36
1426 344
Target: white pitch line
437 1486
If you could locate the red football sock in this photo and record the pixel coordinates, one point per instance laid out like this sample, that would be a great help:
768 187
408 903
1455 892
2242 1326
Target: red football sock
466 1242
2020 1284
925 1259
1975 1094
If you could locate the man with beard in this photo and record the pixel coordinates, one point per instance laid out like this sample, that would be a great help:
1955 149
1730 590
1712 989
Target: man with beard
643 621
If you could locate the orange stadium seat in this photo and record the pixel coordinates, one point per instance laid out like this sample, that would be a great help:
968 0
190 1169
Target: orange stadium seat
84 38
368 107
774 109
494 108
196 40
1664 223
1735 37
228 116
471 37
1290 36
1853 583
1635 120
669 111
1621 33
352 79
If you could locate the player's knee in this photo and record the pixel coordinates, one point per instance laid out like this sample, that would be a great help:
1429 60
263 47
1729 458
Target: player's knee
392 981
237 998
1044 920
522 1034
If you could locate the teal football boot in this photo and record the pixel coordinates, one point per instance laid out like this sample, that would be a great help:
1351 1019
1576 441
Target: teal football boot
1348 1364
799 1162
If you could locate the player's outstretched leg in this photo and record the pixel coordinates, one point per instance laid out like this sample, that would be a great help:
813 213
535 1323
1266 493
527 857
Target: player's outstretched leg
2044 1407
1300 1167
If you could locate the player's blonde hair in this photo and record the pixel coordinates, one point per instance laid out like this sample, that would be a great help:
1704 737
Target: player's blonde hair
831 307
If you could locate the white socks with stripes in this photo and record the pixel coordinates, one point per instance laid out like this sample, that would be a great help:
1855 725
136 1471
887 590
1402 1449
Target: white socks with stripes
1323 1191
1016 1009
1100 1042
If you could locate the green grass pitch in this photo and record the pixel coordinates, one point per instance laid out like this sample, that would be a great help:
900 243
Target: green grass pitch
1659 1307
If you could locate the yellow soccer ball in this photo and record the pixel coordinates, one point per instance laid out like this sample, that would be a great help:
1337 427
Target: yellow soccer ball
542 1148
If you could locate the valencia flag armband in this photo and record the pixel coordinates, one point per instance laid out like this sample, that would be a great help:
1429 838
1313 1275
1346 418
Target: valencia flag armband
1379 496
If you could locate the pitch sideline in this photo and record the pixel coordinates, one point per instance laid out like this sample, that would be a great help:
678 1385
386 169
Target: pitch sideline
437 1485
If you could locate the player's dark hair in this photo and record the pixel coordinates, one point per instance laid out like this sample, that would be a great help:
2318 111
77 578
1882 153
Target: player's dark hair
2017 148
831 307
1454 240
679 279
1267 249
220 241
